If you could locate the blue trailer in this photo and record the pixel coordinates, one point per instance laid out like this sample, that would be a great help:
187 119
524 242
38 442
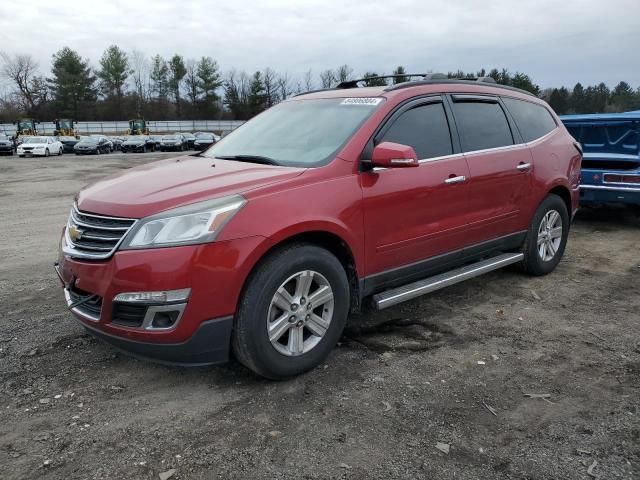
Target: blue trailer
611 160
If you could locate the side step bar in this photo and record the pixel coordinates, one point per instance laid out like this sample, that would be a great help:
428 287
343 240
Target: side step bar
431 284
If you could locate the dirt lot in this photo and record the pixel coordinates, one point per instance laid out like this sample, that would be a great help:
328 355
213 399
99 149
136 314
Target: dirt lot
400 381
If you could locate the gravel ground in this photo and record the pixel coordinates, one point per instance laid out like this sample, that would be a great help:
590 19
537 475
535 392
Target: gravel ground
453 368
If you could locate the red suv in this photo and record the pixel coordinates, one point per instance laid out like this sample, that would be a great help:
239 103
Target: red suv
263 244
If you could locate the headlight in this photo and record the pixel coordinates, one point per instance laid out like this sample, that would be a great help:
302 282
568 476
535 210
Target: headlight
197 223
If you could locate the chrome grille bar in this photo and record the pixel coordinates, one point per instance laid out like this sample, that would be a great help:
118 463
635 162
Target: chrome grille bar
93 236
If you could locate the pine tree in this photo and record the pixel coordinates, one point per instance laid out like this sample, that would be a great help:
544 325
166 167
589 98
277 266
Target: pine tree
401 79
257 96
159 78
113 74
71 83
209 80
177 70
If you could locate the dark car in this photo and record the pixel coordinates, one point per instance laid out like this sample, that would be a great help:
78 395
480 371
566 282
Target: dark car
204 141
138 144
189 138
6 145
92 146
157 139
68 143
174 143
117 142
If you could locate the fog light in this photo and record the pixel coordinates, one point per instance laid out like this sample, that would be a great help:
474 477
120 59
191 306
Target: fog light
164 319
165 296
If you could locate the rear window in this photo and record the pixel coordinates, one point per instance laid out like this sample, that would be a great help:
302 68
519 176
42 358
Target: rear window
425 128
533 121
482 125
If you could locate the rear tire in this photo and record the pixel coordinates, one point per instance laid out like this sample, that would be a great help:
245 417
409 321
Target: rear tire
282 277
547 237
46 152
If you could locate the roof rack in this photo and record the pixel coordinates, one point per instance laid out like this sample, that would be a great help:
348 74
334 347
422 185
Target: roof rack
427 79
354 83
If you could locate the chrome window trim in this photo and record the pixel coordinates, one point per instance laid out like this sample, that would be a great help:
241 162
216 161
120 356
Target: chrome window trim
68 247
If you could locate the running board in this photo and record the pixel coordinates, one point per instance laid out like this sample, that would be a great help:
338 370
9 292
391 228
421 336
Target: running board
431 284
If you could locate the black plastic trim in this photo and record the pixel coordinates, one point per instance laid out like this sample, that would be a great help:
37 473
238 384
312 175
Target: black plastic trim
207 346
439 263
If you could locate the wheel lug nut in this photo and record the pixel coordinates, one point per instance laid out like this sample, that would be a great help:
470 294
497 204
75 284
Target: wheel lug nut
302 300
308 306
308 317
292 319
294 307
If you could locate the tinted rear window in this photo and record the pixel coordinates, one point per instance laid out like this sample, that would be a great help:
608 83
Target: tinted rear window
425 128
534 121
482 125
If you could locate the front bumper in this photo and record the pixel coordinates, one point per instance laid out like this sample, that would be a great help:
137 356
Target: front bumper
214 272
132 148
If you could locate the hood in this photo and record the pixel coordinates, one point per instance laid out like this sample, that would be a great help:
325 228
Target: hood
159 186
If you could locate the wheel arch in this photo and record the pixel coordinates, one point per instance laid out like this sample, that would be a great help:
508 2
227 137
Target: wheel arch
324 238
564 193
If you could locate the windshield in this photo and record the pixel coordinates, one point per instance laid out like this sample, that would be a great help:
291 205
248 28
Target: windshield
89 140
170 137
301 133
205 137
35 140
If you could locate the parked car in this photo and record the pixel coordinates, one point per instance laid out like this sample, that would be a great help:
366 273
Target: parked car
189 139
138 143
39 146
93 145
116 141
611 163
68 143
264 243
204 141
174 143
157 140
6 145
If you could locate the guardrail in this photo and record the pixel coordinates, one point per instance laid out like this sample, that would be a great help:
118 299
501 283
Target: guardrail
120 128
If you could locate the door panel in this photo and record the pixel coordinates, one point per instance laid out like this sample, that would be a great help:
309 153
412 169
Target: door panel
499 169
497 189
411 214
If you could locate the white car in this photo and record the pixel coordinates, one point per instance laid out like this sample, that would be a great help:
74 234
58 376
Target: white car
41 146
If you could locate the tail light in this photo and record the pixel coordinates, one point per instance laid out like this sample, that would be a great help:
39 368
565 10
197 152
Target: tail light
616 178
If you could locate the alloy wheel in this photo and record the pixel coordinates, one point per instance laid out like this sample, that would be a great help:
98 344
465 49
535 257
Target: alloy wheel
300 313
549 235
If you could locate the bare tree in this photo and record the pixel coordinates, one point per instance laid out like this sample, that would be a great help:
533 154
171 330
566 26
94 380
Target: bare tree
327 78
343 73
307 80
140 76
271 90
284 86
191 81
31 90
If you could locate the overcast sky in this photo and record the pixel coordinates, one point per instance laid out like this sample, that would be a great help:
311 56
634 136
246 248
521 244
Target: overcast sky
557 42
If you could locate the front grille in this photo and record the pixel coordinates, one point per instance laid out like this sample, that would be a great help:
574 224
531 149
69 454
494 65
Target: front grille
94 236
128 315
92 307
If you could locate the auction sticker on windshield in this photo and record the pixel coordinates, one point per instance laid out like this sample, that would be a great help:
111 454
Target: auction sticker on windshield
361 101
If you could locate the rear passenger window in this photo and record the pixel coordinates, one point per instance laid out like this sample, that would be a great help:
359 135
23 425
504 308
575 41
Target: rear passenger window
425 128
533 121
482 125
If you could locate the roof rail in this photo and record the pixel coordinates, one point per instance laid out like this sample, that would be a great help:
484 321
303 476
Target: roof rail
458 81
354 83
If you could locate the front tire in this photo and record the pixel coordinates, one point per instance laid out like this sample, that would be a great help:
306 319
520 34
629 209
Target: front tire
46 152
292 312
547 237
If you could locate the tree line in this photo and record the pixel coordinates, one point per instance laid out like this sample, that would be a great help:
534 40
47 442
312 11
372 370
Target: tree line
132 84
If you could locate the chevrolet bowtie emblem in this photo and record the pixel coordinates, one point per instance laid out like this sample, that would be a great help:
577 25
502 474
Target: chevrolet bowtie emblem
74 233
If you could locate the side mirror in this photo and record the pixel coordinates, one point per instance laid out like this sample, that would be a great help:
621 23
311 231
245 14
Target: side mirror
394 155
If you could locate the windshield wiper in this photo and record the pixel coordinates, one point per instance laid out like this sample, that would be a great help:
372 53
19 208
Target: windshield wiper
249 158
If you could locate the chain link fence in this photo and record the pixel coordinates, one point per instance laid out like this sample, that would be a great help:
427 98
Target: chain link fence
120 128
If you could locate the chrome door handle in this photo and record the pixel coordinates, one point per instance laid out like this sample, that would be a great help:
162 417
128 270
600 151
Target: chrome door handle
523 166
458 179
